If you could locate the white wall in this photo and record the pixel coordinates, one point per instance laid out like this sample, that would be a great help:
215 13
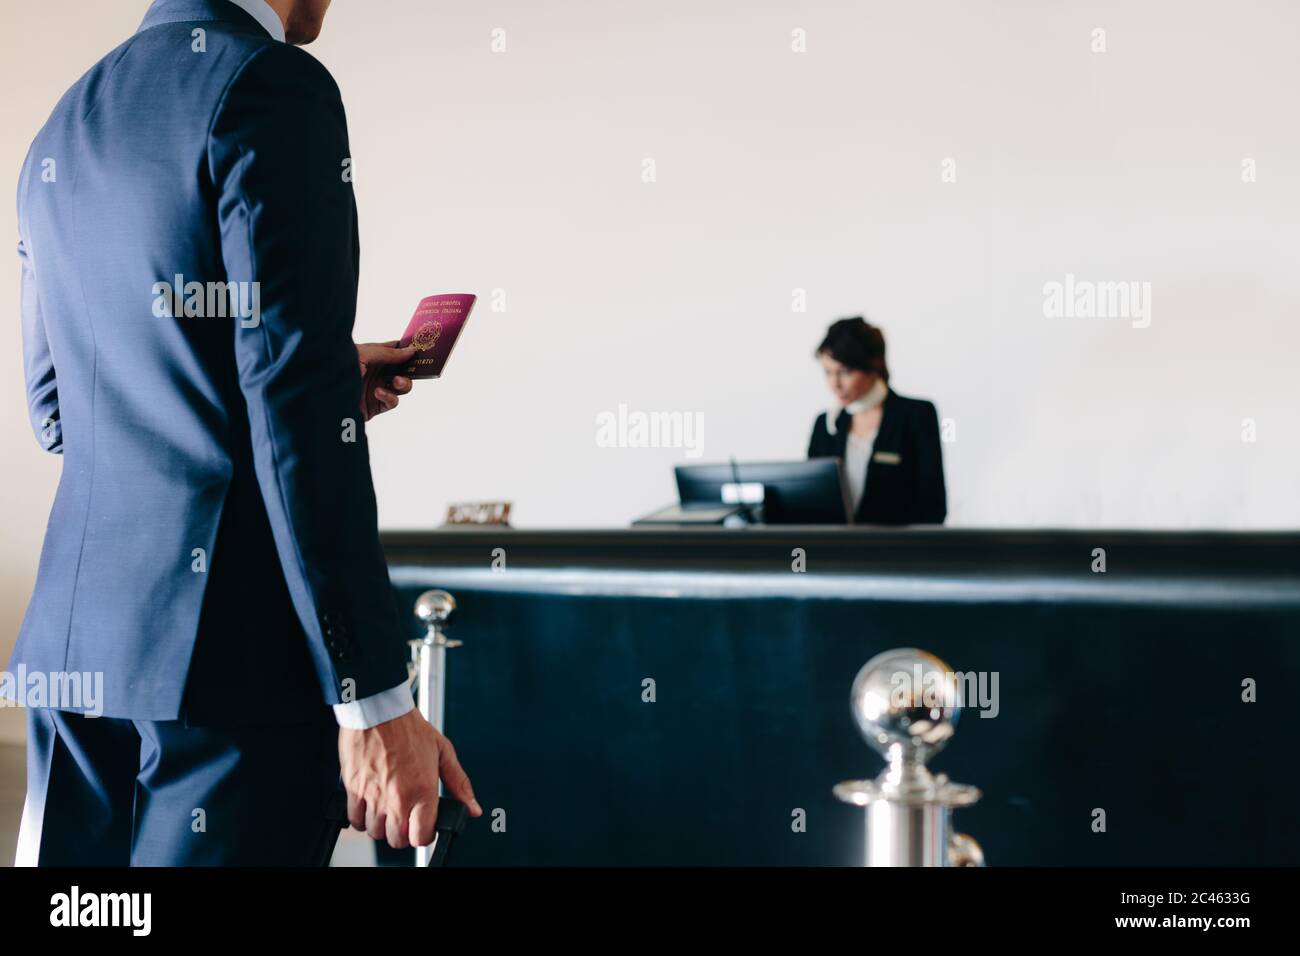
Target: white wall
522 171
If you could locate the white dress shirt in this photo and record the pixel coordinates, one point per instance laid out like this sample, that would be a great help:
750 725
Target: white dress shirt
261 11
377 708
857 455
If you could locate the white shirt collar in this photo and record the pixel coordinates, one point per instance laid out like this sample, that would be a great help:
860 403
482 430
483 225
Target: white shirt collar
872 397
261 11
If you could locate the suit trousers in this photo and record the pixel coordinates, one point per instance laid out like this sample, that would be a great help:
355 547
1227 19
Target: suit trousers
105 791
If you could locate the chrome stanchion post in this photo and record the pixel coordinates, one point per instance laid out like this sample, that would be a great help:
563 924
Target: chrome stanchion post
429 654
906 703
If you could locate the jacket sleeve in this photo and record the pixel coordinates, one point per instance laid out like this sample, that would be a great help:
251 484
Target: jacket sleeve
288 231
38 365
931 495
814 441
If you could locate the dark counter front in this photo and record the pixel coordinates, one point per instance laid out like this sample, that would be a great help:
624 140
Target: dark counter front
1118 691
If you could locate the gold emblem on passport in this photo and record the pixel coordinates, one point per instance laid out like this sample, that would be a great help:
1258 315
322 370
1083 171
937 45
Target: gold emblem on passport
426 336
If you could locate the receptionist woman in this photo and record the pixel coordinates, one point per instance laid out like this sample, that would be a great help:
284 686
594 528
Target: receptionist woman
889 444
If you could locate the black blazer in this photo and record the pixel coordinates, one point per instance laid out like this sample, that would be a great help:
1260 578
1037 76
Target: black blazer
905 474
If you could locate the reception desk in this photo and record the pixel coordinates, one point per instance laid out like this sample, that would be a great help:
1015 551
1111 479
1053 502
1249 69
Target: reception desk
681 696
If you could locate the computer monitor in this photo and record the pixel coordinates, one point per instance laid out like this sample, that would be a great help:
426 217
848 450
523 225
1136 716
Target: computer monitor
779 492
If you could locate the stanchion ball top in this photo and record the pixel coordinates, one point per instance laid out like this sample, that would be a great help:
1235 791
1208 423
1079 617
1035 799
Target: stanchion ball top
434 607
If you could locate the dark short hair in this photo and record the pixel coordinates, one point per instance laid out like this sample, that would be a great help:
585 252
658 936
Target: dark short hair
856 343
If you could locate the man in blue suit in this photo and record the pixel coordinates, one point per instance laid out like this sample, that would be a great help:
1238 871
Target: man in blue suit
189 254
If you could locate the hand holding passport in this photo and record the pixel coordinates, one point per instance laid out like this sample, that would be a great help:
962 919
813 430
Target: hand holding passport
388 367
381 380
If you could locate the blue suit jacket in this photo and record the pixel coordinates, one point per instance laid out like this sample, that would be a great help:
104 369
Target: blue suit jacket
212 548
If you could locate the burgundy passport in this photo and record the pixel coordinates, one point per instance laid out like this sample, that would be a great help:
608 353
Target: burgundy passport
434 328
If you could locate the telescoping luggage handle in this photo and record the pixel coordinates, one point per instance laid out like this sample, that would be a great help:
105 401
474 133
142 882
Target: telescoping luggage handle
452 815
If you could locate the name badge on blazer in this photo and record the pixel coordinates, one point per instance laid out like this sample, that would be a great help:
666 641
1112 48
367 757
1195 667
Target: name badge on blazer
887 457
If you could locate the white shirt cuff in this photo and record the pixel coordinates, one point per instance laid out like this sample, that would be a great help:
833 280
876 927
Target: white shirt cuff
376 709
